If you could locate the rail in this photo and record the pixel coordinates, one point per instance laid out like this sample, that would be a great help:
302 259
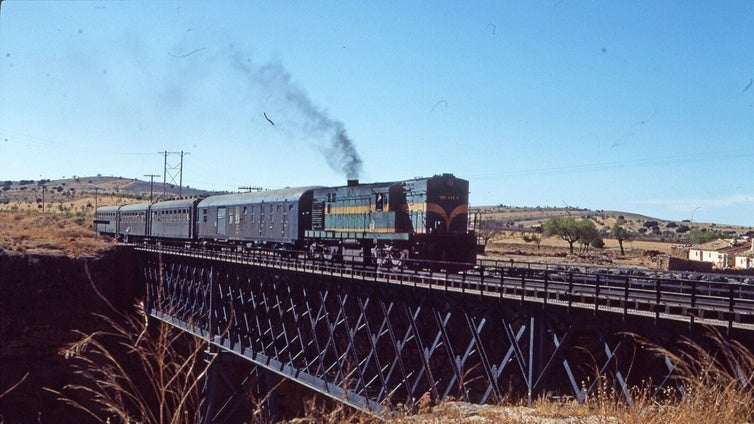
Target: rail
687 297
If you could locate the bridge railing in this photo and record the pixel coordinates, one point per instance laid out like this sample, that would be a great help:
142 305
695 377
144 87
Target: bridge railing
601 288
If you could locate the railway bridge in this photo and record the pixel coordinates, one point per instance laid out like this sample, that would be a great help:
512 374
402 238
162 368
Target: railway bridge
377 339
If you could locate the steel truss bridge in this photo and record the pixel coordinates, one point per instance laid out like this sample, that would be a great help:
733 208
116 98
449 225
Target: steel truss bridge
377 340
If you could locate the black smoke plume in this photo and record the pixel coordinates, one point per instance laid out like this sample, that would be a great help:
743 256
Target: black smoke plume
338 149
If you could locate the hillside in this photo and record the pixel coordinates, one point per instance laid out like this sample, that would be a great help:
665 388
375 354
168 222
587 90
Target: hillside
529 218
80 195
69 205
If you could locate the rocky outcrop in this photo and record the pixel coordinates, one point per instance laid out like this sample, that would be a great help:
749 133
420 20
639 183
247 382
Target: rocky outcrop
43 298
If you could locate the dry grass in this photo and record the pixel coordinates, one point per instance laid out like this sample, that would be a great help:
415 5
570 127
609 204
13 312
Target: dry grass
136 372
717 381
34 232
318 411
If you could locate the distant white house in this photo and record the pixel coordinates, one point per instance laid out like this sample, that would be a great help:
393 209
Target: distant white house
724 254
745 259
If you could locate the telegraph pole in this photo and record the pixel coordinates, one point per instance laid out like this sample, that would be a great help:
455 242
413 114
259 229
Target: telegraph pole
96 187
151 184
164 171
180 181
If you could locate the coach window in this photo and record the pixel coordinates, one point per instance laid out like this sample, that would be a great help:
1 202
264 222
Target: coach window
204 216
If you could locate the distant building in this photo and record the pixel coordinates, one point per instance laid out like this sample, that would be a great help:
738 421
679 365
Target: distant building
745 259
724 254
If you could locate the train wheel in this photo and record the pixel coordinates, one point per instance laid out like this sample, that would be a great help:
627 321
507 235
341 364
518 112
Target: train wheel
316 252
398 258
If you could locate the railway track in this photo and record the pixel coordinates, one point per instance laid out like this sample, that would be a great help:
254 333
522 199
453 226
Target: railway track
692 297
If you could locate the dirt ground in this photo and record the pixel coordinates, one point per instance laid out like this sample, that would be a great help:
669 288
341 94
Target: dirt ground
638 253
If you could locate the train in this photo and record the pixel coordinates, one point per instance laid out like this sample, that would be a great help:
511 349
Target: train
412 222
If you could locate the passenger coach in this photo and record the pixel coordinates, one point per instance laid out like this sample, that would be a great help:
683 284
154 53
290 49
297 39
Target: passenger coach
173 219
275 218
133 221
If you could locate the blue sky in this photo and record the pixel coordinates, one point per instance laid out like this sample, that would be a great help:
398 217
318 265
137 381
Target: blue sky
644 107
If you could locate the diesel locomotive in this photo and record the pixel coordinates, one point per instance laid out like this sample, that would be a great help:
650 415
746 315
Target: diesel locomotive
400 223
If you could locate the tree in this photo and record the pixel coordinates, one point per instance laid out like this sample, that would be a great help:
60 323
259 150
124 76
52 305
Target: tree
704 236
621 234
565 228
533 238
571 231
651 224
486 228
588 234
682 229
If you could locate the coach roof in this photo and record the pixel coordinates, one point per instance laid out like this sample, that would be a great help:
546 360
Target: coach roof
112 208
173 204
134 207
268 196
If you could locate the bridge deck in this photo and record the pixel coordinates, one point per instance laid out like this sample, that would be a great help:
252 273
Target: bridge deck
717 303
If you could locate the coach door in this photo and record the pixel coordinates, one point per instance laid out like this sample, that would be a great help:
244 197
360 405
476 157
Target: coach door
221 221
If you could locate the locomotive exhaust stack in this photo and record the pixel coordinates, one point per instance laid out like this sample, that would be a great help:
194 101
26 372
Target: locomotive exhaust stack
352 183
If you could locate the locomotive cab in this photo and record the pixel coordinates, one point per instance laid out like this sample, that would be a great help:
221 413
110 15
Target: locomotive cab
442 206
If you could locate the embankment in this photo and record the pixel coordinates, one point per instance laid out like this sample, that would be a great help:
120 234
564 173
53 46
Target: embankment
43 299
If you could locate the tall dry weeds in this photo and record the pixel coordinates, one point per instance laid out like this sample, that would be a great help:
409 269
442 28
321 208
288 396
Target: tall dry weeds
319 411
713 382
136 371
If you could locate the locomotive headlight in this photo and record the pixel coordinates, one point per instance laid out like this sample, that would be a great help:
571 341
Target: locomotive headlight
450 182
